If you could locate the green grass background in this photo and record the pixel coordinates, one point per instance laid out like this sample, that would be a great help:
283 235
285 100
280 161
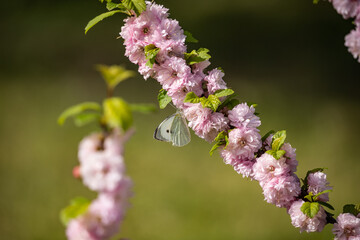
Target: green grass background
287 56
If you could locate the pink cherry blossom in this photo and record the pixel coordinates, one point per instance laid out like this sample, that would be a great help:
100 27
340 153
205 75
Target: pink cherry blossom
317 183
282 191
102 171
347 227
174 74
347 8
300 220
290 156
243 143
77 230
352 41
216 124
267 167
243 115
215 81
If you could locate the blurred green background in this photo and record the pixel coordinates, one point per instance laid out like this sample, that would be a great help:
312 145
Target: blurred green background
287 56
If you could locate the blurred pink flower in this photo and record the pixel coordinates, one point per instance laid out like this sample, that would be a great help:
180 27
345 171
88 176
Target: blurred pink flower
347 8
352 41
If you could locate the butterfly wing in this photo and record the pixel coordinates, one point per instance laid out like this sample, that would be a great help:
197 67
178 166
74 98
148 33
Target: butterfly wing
180 134
163 131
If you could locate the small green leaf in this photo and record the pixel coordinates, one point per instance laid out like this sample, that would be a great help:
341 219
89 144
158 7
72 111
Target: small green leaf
191 97
163 98
316 1
113 75
310 209
216 146
278 140
352 208
323 192
221 69
221 136
190 38
325 204
229 102
77 207
143 108
212 102
276 154
85 118
111 6
150 53
267 135
117 113
223 92
197 56
99 18
309 197
138 6
77 109
279 154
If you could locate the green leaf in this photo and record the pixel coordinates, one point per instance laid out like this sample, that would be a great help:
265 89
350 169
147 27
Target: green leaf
216 146
316 1
163 98
138 6
323 192
77 109
352 208
117 113
190 38
150 53
143 108
197 56
77 207
191 97
229 102
267 135
309 197
99 18
85 118
278 140
113 75
223 92
310 209
221 136
325 204
232 103
211 102
111 6
277 154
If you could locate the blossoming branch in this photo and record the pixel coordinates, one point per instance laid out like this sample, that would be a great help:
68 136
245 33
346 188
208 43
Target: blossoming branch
102 166
157 44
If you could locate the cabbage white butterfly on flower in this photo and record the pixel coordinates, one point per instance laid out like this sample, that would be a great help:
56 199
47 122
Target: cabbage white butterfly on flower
173 129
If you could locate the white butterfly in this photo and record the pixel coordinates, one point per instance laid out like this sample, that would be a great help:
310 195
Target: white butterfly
173 129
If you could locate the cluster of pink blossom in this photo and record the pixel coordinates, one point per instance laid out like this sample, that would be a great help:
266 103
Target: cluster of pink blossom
102 169
347 227
350 9
244 150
